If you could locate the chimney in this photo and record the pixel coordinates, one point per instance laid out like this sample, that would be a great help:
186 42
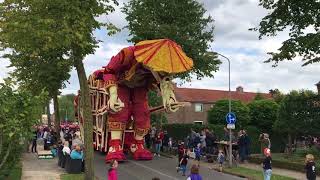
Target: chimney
239 89
318 87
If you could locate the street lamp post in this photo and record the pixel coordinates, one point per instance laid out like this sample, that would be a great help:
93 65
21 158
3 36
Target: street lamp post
230 134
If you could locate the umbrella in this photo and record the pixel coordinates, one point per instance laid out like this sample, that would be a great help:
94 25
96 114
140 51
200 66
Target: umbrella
162 55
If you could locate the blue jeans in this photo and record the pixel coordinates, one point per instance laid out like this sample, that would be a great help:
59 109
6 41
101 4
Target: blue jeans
183 168
267 174
158 146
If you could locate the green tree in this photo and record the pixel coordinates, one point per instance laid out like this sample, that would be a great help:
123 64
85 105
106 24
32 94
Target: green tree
19 111
263 114
67 27
154 100
298 115
183 21
46 71
217 114
276 95
66 107
301 19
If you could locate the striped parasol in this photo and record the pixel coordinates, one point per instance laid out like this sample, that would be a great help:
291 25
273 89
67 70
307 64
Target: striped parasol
162 55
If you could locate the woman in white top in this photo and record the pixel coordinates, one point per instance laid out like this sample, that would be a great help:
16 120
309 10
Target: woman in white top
66 149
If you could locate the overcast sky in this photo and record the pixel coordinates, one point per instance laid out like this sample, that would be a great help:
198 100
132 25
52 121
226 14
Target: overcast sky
232 18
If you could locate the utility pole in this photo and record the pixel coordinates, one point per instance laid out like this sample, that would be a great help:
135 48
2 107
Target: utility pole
230 133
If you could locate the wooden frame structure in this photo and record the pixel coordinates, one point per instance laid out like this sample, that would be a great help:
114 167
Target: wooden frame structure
99 98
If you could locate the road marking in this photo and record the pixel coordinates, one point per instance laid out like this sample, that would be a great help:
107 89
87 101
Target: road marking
154 170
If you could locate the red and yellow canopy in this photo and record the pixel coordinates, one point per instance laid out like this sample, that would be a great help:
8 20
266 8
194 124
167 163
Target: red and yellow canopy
162 55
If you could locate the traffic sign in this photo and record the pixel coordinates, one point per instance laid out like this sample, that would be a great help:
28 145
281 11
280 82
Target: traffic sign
231 126
231 118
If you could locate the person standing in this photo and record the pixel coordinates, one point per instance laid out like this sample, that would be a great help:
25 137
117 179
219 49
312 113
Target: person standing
147 139
165 141
170 144
310 167
197 152
45 139
203 141
153 136
34 142
247 142
242 146
181 151
194 175
112 172
264 142
267 168
158 144
184 163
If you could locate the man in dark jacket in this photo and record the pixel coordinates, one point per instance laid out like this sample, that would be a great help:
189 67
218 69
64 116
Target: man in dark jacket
210 141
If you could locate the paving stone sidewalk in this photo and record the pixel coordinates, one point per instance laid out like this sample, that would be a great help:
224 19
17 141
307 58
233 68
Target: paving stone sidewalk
39 169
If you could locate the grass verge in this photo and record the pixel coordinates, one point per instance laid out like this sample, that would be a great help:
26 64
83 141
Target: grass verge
252 174
72 177
280 160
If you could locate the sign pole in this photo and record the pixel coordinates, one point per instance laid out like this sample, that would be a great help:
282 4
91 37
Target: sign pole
230 133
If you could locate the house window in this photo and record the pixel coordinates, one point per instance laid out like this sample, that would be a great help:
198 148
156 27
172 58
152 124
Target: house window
198 107
198 122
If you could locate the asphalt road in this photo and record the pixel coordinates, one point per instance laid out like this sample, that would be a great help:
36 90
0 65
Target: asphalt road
161 167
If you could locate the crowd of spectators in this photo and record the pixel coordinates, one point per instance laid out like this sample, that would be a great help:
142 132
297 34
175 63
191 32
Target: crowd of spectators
70 151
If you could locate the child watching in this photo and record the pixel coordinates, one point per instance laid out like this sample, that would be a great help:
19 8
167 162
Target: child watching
112 172
197 152
220 159
310 167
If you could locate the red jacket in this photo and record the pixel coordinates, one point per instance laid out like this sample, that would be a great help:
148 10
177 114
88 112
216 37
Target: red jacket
112 174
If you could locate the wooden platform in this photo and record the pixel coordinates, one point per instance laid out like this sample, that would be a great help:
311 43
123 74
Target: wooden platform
45 154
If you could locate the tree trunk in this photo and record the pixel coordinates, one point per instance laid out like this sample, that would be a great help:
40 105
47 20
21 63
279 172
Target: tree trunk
6 156
289 143
87 116
48 114
1 143
56 114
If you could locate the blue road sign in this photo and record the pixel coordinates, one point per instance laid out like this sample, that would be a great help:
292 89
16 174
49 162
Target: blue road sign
231 118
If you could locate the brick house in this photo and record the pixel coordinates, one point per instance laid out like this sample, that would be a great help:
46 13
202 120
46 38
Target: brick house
202 100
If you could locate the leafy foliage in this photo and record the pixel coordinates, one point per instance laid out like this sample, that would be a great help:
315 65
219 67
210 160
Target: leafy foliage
66 106
301 18
299 113
61 29
154 100
217 114
183 21
277 95
19 111
263 114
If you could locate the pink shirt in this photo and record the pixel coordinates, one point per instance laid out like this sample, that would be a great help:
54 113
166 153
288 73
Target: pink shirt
112 174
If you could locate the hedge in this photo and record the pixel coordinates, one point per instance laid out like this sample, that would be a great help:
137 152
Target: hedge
282 164
181 131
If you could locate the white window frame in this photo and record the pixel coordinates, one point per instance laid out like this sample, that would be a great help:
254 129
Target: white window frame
197 122
196 105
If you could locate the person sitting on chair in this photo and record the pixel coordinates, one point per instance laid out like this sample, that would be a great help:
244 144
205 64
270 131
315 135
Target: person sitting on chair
76 153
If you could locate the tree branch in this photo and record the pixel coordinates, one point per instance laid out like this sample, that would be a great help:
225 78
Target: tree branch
6 156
